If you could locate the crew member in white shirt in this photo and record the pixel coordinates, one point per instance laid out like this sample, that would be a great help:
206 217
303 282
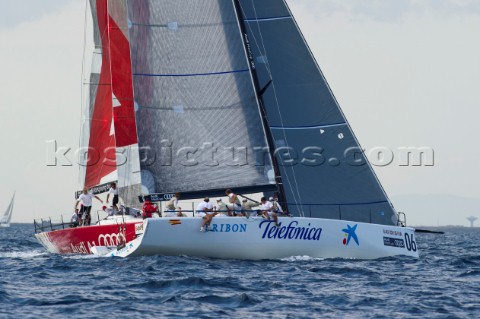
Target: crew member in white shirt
267 210
235 206
276 206
86 198
114 192
205 208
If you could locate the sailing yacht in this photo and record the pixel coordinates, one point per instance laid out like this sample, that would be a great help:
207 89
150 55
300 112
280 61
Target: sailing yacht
199 96
7 216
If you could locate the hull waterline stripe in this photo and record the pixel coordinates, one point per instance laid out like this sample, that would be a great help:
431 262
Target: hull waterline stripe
306 127
193 74
268 19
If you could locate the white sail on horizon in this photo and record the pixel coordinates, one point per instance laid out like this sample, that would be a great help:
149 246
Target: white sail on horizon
7 216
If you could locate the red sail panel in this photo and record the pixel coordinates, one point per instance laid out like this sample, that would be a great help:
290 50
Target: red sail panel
122 86
101 154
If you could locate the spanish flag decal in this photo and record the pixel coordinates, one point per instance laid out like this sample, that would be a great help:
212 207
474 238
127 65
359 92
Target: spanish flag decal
174 222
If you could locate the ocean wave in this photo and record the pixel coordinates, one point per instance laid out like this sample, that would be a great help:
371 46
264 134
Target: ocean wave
442 283
23 254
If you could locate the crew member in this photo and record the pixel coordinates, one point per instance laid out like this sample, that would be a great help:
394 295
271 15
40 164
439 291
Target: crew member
247 206
205 208
235 206
114 191
221 208
276 206
86 198
148 209
267 210
172 206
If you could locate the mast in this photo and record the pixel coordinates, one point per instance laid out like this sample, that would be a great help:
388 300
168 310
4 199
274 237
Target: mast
259 95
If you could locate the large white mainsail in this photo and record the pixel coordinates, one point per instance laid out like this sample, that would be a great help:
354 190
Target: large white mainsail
7 216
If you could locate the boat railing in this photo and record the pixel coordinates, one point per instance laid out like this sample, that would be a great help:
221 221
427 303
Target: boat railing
64 222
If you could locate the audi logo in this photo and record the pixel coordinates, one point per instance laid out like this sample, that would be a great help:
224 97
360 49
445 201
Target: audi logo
110 239
168 196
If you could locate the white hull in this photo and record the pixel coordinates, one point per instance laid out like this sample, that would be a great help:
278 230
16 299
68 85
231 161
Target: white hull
242 238
4 225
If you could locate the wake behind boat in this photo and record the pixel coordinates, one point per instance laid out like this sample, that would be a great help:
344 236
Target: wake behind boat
195 97
7 216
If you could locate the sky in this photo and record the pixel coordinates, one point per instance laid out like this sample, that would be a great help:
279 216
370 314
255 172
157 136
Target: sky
406 74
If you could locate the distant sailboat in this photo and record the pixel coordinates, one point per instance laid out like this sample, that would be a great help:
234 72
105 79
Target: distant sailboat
7 216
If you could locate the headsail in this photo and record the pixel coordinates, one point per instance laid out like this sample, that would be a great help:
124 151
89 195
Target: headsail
7 216
109 129
325 174
98 160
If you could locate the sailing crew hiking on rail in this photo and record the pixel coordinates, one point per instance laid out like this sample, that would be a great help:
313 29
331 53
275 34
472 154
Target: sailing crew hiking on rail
267 210
235 206
206 211
173 209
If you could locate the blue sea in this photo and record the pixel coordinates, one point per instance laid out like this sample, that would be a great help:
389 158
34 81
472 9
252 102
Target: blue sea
443 283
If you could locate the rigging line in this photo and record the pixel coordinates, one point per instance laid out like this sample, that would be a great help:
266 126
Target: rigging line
277 103
276 100
276 97
128 175
265 112
82 91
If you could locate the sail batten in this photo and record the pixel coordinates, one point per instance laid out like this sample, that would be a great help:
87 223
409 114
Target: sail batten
306 127
192 74
267 19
